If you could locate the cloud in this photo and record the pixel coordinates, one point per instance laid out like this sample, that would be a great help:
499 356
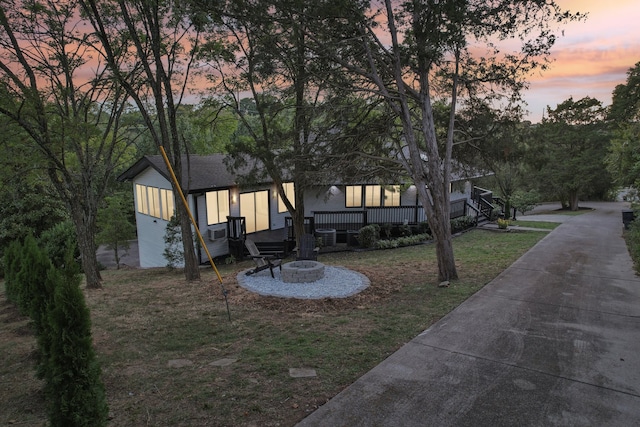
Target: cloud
592 57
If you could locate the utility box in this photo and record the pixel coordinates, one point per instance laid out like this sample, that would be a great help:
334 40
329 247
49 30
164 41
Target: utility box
627 217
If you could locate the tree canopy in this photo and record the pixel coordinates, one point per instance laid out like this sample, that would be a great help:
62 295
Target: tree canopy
571 143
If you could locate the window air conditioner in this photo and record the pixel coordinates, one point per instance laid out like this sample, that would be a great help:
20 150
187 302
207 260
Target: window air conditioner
216 233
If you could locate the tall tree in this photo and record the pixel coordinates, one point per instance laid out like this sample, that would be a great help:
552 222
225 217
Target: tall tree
161 39
572 142
414 52
67 105
291 123
623 159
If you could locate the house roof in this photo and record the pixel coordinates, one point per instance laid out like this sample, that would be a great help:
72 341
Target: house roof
210 172
205 172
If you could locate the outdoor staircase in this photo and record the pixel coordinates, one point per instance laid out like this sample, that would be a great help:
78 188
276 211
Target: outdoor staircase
483 203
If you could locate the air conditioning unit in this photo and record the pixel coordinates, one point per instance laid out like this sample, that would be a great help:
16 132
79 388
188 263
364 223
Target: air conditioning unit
216 233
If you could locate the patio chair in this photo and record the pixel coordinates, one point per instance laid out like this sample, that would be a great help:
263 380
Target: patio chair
262 261
308 249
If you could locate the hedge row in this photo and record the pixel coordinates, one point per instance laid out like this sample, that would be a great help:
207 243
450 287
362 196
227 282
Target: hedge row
52 298
369 235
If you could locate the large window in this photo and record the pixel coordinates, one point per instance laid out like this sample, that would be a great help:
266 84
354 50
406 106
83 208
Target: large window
217 206
374 195
168 208
391 195
289 192
255 208
155 202
354 196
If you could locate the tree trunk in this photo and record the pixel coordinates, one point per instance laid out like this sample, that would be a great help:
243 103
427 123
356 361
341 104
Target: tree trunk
191 262
440 225
573 200
298 219
84 223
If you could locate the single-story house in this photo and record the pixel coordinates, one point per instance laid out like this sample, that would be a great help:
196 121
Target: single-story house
214 196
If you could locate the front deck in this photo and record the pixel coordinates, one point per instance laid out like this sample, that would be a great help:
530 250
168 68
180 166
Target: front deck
345 223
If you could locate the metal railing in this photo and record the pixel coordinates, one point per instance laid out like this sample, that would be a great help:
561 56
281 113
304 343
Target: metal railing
394 215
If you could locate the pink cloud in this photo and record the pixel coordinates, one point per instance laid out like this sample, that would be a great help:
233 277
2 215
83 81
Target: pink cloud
592 57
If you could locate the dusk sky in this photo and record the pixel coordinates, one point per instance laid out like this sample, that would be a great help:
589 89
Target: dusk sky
592 57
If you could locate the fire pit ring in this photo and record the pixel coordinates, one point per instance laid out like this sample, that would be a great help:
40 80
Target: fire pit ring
304 271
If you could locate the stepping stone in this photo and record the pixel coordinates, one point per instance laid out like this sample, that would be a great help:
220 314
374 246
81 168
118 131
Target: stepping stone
179 363
302 372
223 362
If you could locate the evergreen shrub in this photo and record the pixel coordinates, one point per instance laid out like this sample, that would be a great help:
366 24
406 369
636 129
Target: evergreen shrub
12 265
369 235
34 265
58 240
73 381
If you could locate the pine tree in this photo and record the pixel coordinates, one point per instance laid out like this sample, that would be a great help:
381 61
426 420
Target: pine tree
74 385
11 268
34 265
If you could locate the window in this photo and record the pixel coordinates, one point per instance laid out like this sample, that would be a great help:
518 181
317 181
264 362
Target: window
354 196
391 195
141 196
153 195
156 202
217 206
372 196
289 192
255 208
168 208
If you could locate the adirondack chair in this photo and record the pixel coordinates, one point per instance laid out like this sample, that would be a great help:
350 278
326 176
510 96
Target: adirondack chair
262 261
308 249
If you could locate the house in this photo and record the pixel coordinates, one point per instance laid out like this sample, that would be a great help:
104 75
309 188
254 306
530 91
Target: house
217 200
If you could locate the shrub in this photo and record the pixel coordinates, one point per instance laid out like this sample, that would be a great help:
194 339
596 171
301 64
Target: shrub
495 214
386 229
633 240
402 241
12 257
525 201
405 230
173 251
34 265
503 223
73 384
369 235
58 241
462 223
423 228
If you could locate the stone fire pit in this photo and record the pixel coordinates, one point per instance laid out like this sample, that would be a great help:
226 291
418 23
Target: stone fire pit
302 271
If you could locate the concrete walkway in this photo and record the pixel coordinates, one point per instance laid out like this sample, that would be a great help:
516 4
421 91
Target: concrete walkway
552 341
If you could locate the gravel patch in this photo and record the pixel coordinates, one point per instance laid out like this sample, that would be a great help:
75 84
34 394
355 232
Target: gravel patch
338 282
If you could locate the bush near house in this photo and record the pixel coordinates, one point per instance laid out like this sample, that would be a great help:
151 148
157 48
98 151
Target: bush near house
369 235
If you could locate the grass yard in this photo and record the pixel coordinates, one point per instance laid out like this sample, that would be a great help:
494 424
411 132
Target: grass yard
159 338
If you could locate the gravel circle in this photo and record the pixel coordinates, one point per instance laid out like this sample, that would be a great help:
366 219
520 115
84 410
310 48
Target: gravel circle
338 282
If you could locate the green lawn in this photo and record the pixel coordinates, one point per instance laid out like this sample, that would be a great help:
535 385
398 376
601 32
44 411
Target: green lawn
143 319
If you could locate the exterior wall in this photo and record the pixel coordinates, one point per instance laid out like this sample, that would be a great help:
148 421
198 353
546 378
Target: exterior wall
276 219
332 198
217 246
151 230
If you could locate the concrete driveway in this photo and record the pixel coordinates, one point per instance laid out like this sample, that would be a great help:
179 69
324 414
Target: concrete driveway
553 341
